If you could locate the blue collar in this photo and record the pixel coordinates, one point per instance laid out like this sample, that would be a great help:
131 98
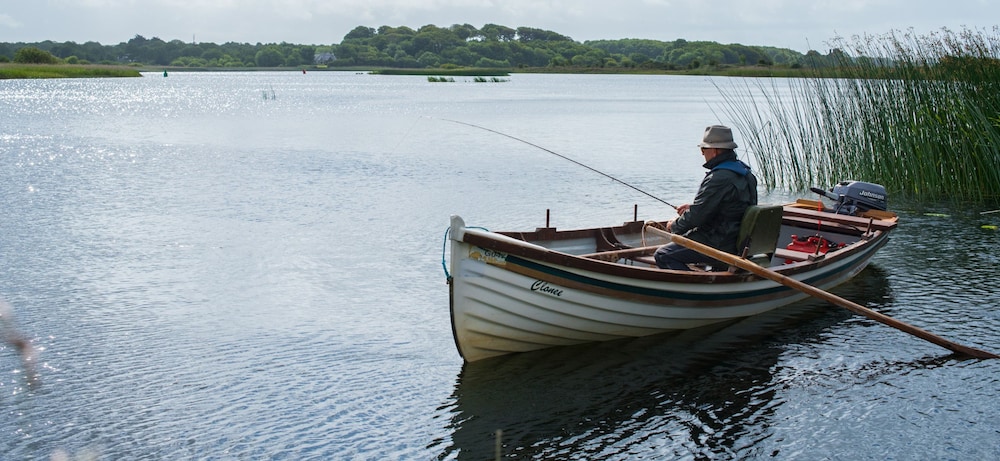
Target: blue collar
735 166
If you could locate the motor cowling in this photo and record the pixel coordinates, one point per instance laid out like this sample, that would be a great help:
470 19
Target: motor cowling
855 197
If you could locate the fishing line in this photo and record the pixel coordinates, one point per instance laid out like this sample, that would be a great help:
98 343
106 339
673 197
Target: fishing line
566 158
406 136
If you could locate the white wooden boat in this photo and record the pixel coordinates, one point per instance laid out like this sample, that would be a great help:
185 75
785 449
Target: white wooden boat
522 291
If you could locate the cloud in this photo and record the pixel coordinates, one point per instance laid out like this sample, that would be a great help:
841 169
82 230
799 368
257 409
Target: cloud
8 22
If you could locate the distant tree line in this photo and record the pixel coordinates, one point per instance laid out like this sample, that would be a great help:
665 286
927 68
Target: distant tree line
156 52
499 46
460 45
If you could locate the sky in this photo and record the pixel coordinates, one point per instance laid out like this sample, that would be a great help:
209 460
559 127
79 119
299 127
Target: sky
799 25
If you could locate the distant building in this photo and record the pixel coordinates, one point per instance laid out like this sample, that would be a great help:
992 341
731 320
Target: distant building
323 58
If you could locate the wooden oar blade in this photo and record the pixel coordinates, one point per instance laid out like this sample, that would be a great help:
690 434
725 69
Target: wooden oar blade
818 293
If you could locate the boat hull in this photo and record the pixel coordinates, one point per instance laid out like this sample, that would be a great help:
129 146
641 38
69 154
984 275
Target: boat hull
511 296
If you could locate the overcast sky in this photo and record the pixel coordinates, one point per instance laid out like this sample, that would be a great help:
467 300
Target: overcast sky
800 25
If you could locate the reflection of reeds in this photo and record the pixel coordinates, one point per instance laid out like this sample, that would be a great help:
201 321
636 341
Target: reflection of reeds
918 114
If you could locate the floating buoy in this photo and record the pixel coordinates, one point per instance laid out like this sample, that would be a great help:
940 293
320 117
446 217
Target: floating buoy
988 227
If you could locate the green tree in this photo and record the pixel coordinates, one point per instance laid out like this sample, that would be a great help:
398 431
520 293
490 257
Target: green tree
32 55
435 40
360 33
559 61
243 52
462 56
497 33
295 58
586 60
428 59
269 57
487 62
528 34
465 32
210 54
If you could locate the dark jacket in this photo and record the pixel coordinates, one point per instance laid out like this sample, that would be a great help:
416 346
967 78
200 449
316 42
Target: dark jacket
714 216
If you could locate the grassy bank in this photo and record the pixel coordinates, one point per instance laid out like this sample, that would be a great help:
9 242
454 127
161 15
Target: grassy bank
917 114
13 70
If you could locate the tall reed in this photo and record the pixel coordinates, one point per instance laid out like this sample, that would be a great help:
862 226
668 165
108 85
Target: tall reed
917 114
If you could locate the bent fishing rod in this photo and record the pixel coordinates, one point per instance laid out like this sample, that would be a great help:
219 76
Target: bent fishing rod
566 158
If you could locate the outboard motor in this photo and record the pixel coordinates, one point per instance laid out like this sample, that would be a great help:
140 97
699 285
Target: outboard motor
855 197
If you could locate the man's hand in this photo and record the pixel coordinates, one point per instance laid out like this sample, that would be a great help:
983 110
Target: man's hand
681 209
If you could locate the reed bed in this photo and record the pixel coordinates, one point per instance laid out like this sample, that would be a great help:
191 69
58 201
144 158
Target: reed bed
917 114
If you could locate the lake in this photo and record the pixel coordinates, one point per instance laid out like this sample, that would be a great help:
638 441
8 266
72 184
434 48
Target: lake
249 265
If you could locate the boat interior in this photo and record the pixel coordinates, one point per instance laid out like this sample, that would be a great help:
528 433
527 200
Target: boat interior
770 235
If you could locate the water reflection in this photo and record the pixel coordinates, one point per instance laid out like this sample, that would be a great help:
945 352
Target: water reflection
709 393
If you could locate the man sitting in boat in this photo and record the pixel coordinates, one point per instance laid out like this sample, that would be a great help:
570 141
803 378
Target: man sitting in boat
713 218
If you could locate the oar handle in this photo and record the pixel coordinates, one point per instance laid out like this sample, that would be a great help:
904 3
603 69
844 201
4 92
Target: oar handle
816 292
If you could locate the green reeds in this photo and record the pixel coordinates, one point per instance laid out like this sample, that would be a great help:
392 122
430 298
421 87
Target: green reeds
434 79
917 114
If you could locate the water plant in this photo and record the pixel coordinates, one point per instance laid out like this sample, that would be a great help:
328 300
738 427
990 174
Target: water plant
919 114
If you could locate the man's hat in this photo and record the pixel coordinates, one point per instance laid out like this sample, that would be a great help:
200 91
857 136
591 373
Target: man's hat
718 137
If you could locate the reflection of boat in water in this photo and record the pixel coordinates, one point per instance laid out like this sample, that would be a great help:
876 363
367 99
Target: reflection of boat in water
522 291
704 393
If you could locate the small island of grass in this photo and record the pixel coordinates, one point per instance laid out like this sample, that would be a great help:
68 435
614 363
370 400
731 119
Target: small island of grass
31 62
18 70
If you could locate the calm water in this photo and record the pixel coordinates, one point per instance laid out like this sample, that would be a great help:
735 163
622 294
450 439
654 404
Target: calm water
249 266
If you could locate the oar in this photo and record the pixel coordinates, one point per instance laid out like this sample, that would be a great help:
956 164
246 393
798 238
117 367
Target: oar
813 291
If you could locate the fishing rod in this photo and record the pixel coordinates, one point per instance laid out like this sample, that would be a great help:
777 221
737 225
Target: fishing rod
566 158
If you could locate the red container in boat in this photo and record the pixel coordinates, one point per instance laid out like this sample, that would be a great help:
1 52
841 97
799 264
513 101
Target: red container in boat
812 244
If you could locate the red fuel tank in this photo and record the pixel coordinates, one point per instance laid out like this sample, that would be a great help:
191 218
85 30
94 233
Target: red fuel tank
812 244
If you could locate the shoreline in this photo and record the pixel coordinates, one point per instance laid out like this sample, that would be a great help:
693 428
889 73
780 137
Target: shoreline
37 71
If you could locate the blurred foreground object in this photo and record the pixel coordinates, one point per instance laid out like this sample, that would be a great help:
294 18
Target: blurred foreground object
10 335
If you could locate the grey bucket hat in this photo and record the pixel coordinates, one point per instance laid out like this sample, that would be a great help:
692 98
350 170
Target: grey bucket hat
718 137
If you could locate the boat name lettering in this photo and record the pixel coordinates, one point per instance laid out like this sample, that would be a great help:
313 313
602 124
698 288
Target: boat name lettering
544 287
493 254
489 256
